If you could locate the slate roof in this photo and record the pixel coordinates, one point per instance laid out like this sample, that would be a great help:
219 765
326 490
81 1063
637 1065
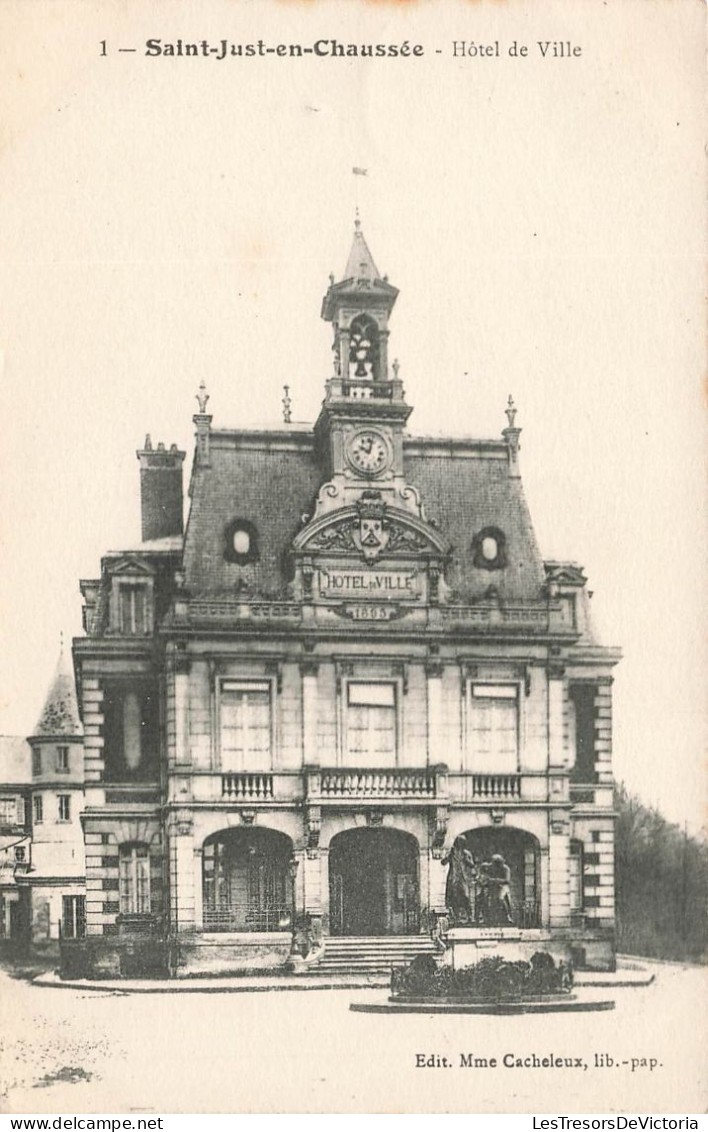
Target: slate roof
271 487
272 478
60 714
462 495
360 264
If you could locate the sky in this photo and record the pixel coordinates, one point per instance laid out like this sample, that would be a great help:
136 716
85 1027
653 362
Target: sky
164 221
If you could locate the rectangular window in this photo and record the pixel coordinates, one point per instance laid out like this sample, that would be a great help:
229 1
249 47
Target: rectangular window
38 809
62 760
246 726
8 811
371 725
493 728
36 761
131 730
73 921
132 609
581 731
134 880
64 807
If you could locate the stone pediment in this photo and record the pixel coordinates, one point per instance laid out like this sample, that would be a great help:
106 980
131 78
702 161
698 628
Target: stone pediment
565 573
128 565
371 529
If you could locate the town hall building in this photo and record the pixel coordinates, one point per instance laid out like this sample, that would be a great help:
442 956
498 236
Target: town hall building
351 664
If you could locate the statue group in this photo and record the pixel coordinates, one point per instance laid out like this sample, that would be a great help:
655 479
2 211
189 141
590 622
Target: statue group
477 892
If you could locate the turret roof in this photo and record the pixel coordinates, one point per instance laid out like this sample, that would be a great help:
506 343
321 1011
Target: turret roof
60 714
360 264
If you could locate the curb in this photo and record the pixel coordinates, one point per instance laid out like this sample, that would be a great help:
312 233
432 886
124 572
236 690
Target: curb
480 1008
183 986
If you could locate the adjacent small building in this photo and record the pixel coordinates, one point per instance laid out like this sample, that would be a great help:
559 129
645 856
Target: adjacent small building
352 659
15 840
56 878
41 839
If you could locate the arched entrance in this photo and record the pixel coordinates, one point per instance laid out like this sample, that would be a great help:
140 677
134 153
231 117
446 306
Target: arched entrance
373 883
520 853
247 881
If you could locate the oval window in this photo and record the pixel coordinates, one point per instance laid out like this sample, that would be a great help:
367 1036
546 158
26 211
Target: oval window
241 541
490 548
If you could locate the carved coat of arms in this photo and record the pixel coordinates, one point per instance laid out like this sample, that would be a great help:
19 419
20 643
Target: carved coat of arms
371 533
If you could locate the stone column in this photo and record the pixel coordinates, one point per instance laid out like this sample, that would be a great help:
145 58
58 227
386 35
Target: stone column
344 354
383 355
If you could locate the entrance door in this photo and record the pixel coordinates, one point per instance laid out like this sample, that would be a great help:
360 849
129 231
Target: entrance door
373 883
246 881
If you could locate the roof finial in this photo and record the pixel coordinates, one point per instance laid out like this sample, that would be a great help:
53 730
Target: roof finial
61 642
510 411
287 405
202 397
357 219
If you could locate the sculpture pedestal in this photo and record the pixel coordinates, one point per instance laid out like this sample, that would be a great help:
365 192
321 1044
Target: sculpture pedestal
466 946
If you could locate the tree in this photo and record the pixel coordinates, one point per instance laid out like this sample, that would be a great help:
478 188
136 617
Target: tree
661 877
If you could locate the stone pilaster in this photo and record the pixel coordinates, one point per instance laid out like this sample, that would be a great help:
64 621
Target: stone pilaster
437 879
436 752
558 869
182 874
557 756
603 730
198 860
310 745
94 764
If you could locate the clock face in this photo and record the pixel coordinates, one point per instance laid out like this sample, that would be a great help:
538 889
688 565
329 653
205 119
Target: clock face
368 453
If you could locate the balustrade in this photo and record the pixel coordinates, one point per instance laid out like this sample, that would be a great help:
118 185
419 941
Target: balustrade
253 787
496 786
374 784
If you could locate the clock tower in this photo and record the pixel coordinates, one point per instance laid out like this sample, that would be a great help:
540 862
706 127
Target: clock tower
360 427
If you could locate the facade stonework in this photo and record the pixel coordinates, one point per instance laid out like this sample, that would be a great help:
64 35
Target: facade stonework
352 667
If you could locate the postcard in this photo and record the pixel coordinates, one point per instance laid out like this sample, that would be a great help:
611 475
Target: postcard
353 555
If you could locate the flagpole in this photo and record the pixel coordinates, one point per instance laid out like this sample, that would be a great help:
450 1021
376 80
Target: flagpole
357 172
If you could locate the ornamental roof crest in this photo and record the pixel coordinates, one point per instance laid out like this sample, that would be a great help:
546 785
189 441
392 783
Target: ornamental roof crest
370 527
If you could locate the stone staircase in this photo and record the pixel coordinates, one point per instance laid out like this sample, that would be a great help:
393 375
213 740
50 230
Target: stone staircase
374 955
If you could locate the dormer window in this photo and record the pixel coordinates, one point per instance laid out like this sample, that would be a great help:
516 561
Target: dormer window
131 600
489 549
241 542
132 609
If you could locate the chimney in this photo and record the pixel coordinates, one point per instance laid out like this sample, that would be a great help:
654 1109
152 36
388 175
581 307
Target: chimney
160 490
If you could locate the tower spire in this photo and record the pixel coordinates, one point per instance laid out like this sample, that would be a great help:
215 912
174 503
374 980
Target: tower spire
60 714
360 264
